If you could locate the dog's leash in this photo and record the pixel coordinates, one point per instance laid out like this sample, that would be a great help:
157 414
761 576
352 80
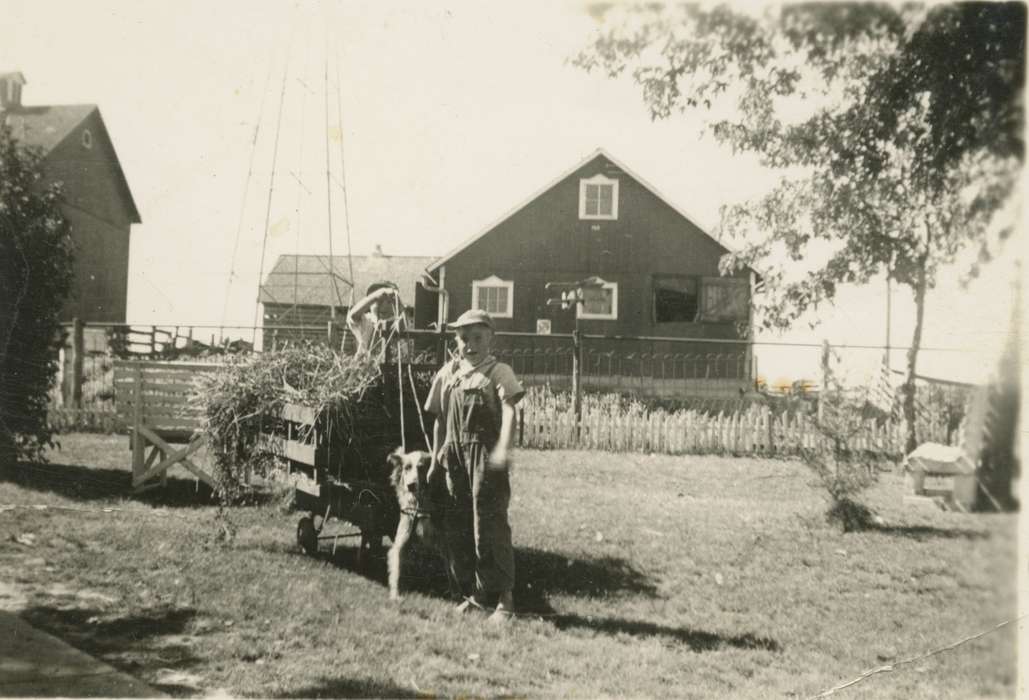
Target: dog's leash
417 512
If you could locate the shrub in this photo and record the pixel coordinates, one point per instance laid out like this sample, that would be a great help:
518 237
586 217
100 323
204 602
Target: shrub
844 472
35 279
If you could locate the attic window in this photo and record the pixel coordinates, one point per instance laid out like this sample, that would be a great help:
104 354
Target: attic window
87 138
598 198
494 296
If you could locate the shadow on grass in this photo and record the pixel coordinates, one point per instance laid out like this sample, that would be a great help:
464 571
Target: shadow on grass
538 573
351 688
82 483
128 643
696 640
927 532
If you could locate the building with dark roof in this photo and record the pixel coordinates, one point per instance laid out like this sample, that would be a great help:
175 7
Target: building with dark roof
311 290
655 272
77 151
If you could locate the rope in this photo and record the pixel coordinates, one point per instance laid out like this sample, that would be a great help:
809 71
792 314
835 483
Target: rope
904 662
400 370
243 203
421 419
271 185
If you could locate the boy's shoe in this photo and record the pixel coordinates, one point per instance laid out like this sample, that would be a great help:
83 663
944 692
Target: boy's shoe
504 610
469 604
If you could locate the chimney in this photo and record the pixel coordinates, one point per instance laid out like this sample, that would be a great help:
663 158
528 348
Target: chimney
10 90
377 253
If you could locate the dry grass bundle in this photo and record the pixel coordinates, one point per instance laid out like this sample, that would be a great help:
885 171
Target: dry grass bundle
245 398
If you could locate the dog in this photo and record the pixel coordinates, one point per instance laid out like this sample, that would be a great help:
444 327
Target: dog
421 517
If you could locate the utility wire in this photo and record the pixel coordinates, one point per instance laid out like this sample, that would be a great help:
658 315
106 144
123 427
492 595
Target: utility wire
343 177
271 187
328 180
243 203
300 183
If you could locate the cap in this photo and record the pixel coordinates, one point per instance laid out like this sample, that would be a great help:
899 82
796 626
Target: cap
472 317
381 284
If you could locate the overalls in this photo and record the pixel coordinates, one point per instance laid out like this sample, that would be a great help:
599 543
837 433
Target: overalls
477 529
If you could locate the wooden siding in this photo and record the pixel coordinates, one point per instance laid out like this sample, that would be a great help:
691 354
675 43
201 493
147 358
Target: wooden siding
99 290
100 219
545 241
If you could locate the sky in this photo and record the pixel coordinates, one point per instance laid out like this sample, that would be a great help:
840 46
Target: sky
451 114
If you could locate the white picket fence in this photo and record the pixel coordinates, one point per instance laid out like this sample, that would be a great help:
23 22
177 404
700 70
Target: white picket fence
755 431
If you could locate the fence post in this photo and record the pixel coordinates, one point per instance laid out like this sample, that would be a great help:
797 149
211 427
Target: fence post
153 340
441 345
576 377
78 350
771 428
138 445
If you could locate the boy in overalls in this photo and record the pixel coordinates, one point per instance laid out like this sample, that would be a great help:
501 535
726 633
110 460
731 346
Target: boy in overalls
473 398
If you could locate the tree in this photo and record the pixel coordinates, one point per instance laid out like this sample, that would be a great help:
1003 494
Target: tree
898 131
35 279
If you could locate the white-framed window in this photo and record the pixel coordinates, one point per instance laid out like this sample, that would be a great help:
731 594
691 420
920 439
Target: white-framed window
724 299
600 303
494 296
598 198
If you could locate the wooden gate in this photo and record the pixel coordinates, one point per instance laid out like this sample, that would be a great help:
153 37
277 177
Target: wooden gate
152 398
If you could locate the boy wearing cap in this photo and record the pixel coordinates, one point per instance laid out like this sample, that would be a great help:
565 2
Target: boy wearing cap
369 318
473 398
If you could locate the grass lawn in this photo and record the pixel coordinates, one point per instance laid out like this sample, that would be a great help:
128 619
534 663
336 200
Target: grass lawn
648 576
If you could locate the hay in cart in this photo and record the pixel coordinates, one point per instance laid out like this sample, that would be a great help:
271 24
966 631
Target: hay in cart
331 420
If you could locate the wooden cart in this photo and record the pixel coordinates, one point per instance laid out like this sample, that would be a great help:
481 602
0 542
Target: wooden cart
341 478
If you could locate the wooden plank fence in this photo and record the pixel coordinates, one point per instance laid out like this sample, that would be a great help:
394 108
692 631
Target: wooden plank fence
756 431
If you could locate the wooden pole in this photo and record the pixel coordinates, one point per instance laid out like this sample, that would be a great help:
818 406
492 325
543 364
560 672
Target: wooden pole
577 374
78 351
889 303
441 348
137 421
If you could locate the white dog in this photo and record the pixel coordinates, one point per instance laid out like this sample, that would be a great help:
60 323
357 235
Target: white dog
420 517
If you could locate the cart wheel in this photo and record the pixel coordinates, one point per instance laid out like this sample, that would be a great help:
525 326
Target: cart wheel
307 536
371 547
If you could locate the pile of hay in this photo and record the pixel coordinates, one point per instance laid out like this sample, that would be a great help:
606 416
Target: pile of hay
246 397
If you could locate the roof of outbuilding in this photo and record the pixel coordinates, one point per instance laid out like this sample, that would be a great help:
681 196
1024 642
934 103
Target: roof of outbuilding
45 127
305 279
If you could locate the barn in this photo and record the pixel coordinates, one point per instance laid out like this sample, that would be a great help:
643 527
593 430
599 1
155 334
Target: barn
78 152
657 271
303 293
